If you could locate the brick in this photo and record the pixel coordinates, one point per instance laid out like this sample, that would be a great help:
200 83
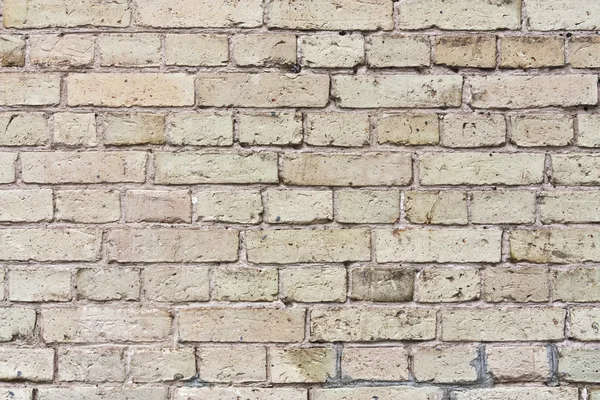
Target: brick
542 130
515 393
473 130
307 365
196 50
332 51
16 394
236 89
583 52
532 51
172 245
29 89
130 89
158 206
575 169
563 206
503 324
375 363
445 364
367 206
554 245
584 324
87 206
35 365
579 364
381 284
176 284
563 14
96 364
246 393
299 206
22 14
26 205
275 128
313 284
191 168
330 15
264 49
520 285
200 129
241 325
322 245
518 364
397 91
2 284
12 51
232 364
24 129
371 324
37 285
95 324
96 393
503 207
7 167
466 51
75 129
366 169
16 323
439 245
337 129
62 51
240 206
381 392
87 167
447 285
45 244
524 91
576 285
446 208
398 51
157 365
129 129
103 284
129 50
481 169
408 129
244 284
589 130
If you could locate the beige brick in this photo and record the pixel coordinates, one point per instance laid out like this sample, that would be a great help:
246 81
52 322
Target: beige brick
542 130
104 284
200 129
466 51
583 52
520 285
236 89
381 392
246 393
232 364
241 325
29 89
589 130
313 284
244 284
524 91
172 245
577 285
75 129
196 50
436 207
503 324
518 364
554 245
367 206
129 50
439 245
87 167
37 285
46 244
299 206
12 51
105 324
95 364
563 206
2 284
382 284
332 51
330 15
156 365
239 206
316 364
575 169
88 206
503 207
16 394
397 91
579 364
158 206
16 323
322 245
61 51
130 89
7 167
371 324
532 51
191 168
337 129
408 129
594 394
97 393
447 285
24 129
445 364
481 169
563 14
176 284
264 49
473 130
584 324
275 128
398 51
366 169
375 363
35 365
515 393
26 205
129 129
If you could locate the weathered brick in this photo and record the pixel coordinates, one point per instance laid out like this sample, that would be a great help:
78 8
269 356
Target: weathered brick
158 206
200 129
398 51
35 365
563 14
176 284
575 169
12 51
26 205
473 130
445 364
88 206
196 50
275 128
16 394
382 284
156 365
337 129
246 393
584 324
408 129
436 207
244 284
332 51
375 363
7 167
128 129
37 285
16 323
367 206
104 284
560 246
589 130
101 393
542 130
129 50
62 51
521 285
521 364
447 285
381 392
579 364
503 207
46 244
583 52
299 206
29 89
19 129
75 129
532 51
314 364
563 206
577 285
264 49
466 51
313 284
96 364
515 393
241 206
232 364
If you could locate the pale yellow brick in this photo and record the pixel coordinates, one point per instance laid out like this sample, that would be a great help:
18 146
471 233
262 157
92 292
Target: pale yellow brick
381 284
563 14
447 285
176 284
561 246
232 364
381 392
239 206
579 364
589 130
20 129
299 206
542 130
50 244
466 51
12 51
503 207
516 393
316 364
2 280
244 284
583 52
575 169
563 206
408 129
332 51
29 89
7 167
196 50
367 206
313 284
101 393
129 129
37 285
473 130
156 365
521 364
436 207
16 323
158 206
515 285
584 324
129 50
75 129
445 364
246 393
200 129
275 128
264 49
398 51
532 51
16 394
576 285
26 205
375 363
94 364
337 129
88 206
103 284
62 51
35 365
